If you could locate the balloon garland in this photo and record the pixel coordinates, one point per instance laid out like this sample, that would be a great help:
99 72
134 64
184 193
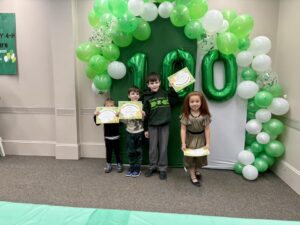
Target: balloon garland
222 36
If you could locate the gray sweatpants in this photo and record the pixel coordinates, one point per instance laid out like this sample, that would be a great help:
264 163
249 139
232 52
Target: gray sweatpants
158 147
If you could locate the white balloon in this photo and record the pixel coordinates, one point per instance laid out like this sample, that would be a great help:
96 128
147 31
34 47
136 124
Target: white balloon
263 115
150 12
165 9
260 45
263 138
224 26
253 126
116 69
250 172
94 89
244 58
212 21
246 157
136 7
279 106
247 89
262 63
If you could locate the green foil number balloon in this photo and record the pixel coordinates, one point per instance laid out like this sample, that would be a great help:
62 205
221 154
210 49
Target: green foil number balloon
137 66
208 84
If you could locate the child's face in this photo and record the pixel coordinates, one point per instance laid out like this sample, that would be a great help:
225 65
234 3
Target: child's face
154 85
109 104
195 102
134 96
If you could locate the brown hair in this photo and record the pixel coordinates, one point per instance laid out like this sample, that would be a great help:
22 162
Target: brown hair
203 107
109 100
133 89
152 77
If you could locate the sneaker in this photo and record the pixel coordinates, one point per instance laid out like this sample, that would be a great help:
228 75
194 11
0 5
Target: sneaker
149 172
136 172
108 168
119 167
163 175
129 172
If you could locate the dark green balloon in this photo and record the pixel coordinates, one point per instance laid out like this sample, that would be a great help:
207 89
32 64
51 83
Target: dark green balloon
252 107
256 147
270 160
250 115
137 66
249 74
238 167
275 148
208 85
261 164
249 138
244 43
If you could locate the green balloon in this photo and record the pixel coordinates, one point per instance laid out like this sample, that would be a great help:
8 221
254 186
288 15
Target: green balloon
238 167
101 7
197 8
249 138
111 52
250 115
86 50
98 63
90 73
93 19
143 30
180 15
275 89
263 99
227 43
275 148
261 164
242 26
102 82
128 23
182 2
244 43
122 39
270 160
194 30
249 74
251 106
256 147
108 19
273 127
117 7
229 15
137 66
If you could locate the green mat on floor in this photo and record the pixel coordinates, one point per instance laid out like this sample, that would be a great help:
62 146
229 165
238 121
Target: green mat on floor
32 214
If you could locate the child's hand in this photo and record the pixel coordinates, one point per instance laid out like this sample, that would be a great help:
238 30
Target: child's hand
143 113
206 147
97 113
117 114
146 134
183 147
171 83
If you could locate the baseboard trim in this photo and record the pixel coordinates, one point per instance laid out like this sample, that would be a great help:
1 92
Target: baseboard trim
67 151
289 174
92 150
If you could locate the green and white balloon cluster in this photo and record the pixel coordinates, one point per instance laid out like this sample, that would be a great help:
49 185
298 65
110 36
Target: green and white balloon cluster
265 100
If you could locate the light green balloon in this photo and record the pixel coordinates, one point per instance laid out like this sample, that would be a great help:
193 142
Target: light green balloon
117 7
122 39
256 147
263 99
102 82
182 2
180 16
90 73
143 30
93 19
275 89
244 43
194 30
98 63
101 7
197 8
273 127
227 43
229 15
249 74
242 26
86 50
238 167
275 148
111 52
128 23
261 164
270 160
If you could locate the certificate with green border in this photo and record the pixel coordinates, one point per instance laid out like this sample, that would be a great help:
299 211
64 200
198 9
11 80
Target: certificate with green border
107 115
196 152
130 109
181 79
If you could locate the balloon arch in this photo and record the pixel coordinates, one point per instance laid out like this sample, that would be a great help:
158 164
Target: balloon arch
223 36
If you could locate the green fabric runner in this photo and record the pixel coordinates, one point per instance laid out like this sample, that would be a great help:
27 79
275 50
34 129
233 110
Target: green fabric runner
32 214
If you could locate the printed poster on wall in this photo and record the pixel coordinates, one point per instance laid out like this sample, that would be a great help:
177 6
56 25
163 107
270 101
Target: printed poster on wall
8 56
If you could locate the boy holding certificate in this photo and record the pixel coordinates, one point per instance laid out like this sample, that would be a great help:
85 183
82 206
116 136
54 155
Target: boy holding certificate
157 107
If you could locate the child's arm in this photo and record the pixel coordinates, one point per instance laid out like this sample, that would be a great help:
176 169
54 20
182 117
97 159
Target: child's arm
183 136
95 115
207 136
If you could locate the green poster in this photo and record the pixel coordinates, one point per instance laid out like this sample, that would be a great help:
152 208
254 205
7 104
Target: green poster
8 55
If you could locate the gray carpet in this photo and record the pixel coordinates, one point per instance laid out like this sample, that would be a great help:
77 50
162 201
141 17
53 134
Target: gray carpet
83 183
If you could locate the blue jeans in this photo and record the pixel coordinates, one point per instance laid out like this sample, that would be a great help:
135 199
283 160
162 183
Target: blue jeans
134 148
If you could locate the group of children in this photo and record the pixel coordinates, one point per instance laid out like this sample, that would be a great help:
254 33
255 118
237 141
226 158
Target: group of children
195 131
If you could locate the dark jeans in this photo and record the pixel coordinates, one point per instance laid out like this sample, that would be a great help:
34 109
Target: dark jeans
134 148
112 146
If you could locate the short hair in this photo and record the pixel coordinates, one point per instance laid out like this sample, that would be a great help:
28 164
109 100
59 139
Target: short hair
134 89
152 77
108 100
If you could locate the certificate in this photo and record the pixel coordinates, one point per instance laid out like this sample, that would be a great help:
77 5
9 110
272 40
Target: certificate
181 79
196 152
107 115
130 109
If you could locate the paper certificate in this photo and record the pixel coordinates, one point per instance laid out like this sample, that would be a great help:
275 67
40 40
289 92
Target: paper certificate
196 152
181 79
130 109
107 115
